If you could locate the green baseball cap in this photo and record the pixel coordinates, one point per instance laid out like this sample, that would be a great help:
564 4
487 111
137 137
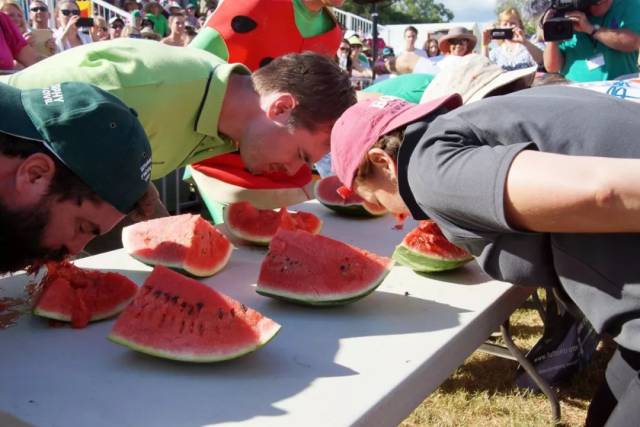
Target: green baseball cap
91 131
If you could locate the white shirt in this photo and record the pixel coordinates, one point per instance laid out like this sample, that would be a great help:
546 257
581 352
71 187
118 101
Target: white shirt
62 45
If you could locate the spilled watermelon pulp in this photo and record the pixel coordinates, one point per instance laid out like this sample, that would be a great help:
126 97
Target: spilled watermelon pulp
258 226
315 270
71 294
426 249
328 192
176 317
185 242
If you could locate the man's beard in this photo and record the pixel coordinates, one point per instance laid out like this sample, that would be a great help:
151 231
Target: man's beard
21 233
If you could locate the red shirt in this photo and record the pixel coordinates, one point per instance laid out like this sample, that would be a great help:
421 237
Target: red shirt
11 42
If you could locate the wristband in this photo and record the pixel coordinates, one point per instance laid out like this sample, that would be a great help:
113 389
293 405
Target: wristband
596 28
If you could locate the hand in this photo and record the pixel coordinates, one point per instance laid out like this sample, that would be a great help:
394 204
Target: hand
486 35
71 25
50 45
29 38
580 21
518 35
146 205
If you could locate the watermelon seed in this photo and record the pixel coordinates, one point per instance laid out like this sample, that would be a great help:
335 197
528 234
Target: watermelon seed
233 312
174 299
220 313
157 293
199 306
244 308
190 310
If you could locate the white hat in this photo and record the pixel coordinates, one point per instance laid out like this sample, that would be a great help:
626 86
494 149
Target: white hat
474 77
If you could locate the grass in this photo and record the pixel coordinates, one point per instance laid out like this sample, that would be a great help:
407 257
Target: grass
482 392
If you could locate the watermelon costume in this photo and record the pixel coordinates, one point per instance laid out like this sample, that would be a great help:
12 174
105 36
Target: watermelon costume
254 32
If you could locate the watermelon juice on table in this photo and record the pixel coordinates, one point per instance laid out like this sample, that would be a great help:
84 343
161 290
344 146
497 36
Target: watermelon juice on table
185 242
176 317
316 270
258 226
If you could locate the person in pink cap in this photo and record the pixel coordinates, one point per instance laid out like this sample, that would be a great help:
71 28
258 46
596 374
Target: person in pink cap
547 199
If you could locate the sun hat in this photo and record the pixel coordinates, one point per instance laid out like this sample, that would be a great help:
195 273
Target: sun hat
457 33
474 77
387 51
150 4
115 19
90 131
148 33
355 40
173 5
362 124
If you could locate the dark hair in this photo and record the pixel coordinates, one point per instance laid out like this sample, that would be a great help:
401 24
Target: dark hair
323 91
65 184
390 143
410 28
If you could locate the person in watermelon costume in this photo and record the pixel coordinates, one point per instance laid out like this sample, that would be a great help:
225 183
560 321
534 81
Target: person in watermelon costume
60 187
552 201
254 32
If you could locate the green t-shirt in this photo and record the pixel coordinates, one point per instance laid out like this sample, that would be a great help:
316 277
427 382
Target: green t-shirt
160 24
309 24
580 51
176 91
409 87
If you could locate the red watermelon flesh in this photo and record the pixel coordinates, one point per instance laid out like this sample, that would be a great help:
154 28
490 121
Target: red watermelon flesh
80 296
316 270
179 318
186 242
259 226
331 193
426 249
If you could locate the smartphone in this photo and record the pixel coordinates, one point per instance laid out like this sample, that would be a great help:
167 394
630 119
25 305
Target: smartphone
84 22
501 33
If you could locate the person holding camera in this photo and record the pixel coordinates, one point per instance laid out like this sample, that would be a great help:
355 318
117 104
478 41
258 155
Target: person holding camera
605 40
69 33
512 50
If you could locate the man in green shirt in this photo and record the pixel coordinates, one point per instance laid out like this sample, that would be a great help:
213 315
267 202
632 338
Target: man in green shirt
193 105
605 44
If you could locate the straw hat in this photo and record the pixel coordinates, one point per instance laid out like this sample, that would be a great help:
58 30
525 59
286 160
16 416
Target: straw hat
474 77
457 33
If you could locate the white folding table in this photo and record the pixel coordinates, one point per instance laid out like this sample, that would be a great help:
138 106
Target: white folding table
369 363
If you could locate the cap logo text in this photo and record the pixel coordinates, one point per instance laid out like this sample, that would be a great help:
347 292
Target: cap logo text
52 94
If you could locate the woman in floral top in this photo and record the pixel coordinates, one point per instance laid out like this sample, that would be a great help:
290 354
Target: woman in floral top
519 52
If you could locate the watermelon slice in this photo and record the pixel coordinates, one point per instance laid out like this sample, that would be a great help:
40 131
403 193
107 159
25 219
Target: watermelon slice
185 242
71 294
258 226
329 192
425 249
175 317
310 269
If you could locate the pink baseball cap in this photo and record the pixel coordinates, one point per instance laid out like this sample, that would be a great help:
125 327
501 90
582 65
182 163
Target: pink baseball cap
365 122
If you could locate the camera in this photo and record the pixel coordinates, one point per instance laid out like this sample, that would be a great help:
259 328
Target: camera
560 27
501 33
84 22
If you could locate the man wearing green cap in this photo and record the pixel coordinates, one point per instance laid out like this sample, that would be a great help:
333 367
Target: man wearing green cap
61 188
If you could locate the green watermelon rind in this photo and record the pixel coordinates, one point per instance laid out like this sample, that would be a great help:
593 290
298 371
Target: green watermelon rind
355 210
326 299
180 268
424 263
55 315
265 337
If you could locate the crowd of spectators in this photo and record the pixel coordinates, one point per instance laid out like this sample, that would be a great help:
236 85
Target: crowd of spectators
25 40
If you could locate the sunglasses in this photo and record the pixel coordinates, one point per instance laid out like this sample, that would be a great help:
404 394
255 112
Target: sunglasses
458 41
345 49
117 26
67 12
37 9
